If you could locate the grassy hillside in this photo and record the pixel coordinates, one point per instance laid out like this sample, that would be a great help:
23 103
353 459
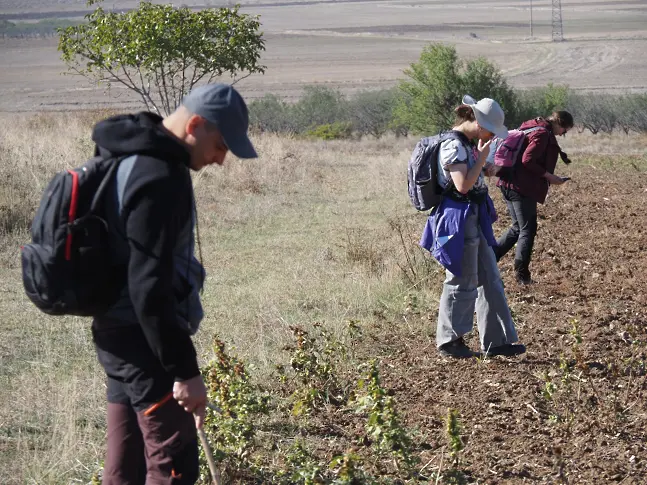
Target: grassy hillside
322 232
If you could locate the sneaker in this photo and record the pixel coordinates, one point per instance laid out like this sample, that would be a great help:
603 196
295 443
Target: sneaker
507 350
456 349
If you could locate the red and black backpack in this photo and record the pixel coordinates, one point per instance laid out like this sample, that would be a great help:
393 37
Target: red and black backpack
67 268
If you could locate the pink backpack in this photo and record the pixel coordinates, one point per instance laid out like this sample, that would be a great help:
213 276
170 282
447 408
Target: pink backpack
508 149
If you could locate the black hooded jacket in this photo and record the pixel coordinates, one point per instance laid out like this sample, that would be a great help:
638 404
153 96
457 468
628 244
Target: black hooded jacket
157 208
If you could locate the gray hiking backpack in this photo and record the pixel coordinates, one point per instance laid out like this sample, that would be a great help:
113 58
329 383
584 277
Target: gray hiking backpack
424 191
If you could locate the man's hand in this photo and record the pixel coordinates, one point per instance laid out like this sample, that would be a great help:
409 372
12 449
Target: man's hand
192 396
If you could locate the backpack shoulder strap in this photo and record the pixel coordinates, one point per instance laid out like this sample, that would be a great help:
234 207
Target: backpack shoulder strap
454 135
123 174
457 135
534 128
98 196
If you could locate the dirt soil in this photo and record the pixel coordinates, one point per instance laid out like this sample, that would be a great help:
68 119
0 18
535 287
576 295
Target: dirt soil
572 409
589 264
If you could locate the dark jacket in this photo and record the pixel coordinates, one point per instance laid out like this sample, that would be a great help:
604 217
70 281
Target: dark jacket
539 155
152 235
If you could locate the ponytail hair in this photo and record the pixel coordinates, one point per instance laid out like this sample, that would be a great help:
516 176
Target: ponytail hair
563 118
463 113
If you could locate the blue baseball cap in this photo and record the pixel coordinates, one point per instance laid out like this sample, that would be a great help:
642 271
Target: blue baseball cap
224 107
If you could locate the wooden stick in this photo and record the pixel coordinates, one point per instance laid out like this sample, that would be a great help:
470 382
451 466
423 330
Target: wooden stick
214 408
215 474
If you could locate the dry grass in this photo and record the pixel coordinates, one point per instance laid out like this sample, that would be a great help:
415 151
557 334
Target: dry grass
308 232
283 239
618 144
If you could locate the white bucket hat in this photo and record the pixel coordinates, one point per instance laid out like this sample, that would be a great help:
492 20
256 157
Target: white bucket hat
488 114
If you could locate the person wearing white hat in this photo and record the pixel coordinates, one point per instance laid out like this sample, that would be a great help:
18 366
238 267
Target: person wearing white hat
459 234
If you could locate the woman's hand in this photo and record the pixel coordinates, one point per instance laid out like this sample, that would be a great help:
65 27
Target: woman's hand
490 170
554 179
484 150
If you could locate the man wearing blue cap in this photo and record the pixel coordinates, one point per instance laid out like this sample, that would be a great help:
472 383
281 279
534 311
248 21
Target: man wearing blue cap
156 395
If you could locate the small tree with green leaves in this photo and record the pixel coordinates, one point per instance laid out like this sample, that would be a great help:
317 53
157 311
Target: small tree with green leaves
482 79
437 83
432 90
160 52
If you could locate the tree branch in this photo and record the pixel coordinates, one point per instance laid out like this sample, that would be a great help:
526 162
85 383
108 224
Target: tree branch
141 92
158 85
211 76
179 98
141 78
193 79
171 99
146 88
120 80
162 88
200 77
241 78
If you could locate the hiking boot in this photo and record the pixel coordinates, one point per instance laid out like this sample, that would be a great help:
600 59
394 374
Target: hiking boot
456 349
522 273
507 350
523 279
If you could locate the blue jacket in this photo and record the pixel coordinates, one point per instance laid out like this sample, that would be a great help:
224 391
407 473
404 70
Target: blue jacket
444 234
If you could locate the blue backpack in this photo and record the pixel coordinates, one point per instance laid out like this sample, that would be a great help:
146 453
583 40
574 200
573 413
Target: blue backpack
424 191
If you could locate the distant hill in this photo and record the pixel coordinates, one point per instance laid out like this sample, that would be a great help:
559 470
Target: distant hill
42 28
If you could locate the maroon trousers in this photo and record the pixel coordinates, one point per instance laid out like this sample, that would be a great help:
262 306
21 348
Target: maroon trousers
156 449
152 440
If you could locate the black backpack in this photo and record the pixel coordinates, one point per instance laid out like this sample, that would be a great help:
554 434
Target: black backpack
67 268
422 172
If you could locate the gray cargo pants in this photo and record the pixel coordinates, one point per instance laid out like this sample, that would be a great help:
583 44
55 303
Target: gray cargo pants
479 286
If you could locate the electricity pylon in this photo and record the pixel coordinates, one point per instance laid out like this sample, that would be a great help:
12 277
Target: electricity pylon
558 32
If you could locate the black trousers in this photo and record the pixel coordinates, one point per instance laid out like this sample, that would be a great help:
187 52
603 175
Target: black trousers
152 440
522 232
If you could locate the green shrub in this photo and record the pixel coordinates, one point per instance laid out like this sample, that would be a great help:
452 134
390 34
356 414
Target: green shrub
605 113
315 367
371 112
432 91
437 83
384 425
424 103
301 467
539 102
339 130
273 115
319 106
482 79
232 428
